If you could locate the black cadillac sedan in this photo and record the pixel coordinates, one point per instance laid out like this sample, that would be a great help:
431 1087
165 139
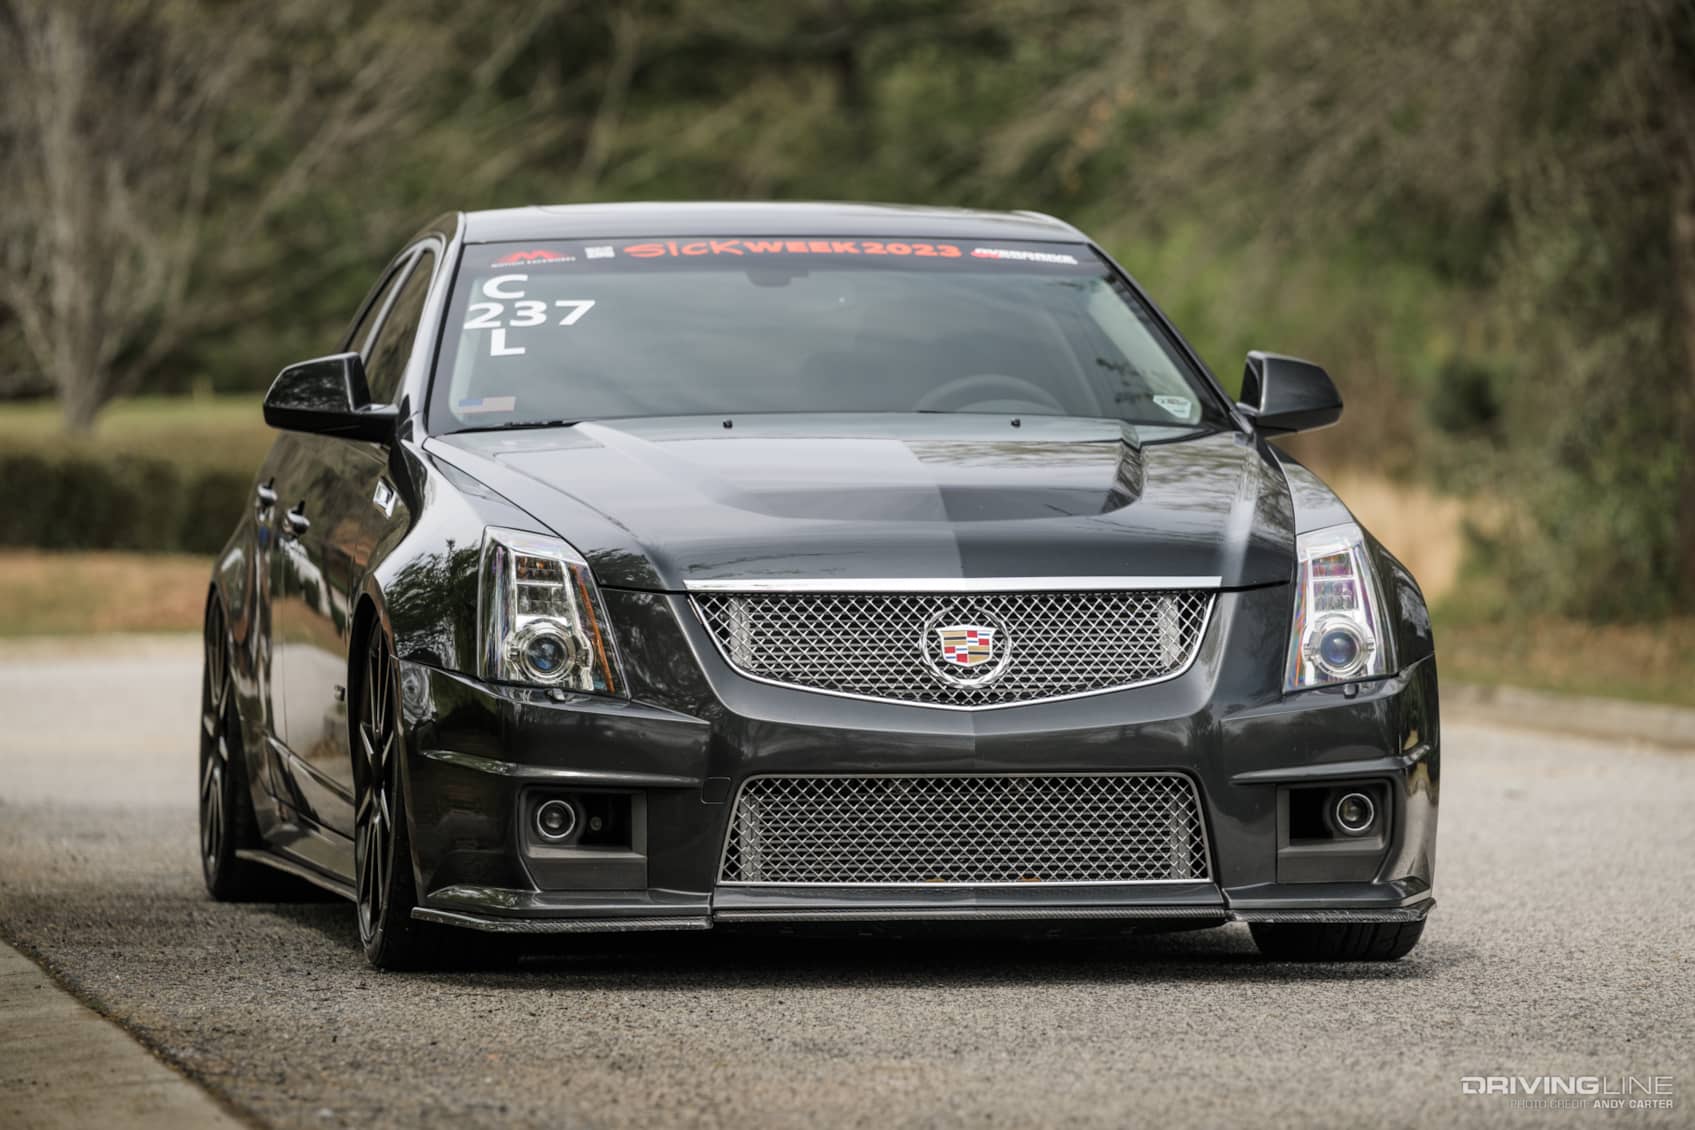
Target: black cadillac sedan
678 567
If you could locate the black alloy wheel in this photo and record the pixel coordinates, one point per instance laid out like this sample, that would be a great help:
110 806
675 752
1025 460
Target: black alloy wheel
382 854
226 812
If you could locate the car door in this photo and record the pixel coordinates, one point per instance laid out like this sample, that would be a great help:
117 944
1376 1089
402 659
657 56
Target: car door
343 506
284 476
278 475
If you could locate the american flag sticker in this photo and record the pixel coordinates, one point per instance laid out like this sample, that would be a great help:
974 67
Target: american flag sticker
486 404
966 645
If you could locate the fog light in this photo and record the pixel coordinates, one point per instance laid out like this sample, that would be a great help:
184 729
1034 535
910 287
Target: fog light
555 820
1355 814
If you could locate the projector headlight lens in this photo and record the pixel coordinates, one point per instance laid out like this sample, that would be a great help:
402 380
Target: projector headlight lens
546 649
1339 649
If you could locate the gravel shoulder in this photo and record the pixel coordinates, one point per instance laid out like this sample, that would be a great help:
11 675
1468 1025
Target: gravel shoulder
1561 945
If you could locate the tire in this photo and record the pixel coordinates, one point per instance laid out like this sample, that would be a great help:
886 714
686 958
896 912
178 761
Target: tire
382 851
1345 941
227 823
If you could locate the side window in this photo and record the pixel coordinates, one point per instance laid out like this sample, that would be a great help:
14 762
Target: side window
369 314
385 359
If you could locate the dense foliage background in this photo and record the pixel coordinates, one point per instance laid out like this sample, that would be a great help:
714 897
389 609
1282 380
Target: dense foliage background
1480 217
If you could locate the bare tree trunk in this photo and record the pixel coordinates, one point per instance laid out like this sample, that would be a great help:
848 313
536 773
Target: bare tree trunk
1678 97
1683 253
79 406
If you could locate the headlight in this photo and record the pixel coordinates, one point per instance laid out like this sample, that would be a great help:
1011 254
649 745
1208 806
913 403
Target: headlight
541 618
1339 633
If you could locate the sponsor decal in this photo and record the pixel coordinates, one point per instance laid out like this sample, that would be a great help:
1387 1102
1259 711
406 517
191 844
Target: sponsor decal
537 255
741 247
694 248
1178 406
1017 255
486 404
383 498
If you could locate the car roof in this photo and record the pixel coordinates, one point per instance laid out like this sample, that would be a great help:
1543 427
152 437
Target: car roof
709 218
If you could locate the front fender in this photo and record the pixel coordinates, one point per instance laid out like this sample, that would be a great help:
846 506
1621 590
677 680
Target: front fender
423 578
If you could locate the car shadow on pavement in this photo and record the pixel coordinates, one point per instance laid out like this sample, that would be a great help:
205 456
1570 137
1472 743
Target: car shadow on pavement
331 917
728 960
724 959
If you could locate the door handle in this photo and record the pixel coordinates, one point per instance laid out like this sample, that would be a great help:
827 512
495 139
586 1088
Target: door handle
266 494
296 518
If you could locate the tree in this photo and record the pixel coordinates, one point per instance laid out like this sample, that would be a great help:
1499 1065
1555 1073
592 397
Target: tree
1540 154
146 144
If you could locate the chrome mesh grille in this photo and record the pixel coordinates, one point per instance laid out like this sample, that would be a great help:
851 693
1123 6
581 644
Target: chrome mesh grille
886 645
1119 828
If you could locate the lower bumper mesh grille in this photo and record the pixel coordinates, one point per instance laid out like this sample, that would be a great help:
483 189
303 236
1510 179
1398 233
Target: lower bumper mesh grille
1117 828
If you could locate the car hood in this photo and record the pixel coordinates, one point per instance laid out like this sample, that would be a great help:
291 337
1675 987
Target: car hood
654 503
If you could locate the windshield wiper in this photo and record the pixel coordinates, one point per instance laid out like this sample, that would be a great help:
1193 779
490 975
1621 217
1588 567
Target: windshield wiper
517 425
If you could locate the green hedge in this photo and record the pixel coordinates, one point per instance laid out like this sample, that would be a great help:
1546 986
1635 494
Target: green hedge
80 501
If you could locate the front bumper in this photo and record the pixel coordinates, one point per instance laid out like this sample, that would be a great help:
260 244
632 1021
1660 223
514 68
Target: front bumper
478 754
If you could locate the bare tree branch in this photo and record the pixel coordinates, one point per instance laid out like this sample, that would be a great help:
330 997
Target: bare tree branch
136 129
621 69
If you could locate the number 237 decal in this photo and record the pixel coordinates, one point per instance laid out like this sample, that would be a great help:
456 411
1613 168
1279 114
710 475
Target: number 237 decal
526 312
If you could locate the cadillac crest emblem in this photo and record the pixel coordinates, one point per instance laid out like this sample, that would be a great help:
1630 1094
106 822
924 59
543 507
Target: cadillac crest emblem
966 645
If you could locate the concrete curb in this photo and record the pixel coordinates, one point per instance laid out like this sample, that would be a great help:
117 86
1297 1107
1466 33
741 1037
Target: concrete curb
1613 718
62 1065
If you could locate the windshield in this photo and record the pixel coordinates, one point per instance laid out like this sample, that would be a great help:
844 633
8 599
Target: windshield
568 331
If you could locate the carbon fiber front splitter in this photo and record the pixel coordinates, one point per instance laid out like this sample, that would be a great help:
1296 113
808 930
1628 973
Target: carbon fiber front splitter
1194 904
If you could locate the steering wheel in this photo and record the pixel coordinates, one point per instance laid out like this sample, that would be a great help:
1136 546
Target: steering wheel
962 393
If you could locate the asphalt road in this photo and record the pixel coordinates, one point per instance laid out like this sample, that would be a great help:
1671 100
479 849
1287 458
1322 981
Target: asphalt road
1562 945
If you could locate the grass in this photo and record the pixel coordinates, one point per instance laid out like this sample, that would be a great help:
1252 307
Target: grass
80 594
1652 662
196 432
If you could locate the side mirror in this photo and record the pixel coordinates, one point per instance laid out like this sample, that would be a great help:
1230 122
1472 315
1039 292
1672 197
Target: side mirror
1286 394
328 396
